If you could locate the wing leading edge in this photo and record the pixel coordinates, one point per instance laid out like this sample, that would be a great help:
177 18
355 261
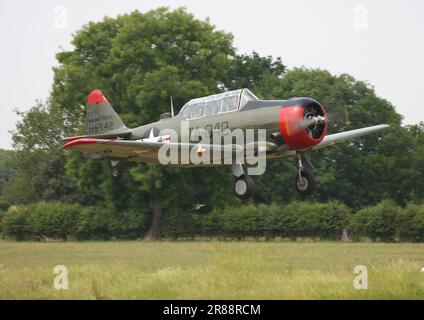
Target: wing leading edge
347 135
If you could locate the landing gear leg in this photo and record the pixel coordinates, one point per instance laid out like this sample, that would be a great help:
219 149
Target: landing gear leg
116 172
305 180
243 184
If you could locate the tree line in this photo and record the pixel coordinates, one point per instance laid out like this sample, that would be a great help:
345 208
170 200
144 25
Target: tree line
139 60
384 221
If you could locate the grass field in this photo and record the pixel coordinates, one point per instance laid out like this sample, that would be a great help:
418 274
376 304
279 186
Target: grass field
211 270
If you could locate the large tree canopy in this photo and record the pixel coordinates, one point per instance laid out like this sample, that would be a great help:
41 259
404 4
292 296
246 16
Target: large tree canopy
139 61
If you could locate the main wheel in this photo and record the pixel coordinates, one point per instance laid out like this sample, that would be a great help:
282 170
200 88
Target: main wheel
244 187
306 183
116 173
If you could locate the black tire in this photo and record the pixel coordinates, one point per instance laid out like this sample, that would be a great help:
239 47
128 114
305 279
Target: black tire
308 184
116 173
244 187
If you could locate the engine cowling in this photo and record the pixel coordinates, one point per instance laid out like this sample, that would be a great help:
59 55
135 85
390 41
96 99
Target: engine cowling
302 127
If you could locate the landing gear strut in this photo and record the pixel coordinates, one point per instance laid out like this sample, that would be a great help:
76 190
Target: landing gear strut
305 180
243 184
116 171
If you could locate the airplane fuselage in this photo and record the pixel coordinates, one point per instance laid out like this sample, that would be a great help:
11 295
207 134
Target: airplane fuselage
262 114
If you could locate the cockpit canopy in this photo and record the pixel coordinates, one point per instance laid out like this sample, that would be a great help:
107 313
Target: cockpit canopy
218 103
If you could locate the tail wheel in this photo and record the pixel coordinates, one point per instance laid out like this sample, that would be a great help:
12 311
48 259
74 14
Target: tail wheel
244 187
116 173
305 183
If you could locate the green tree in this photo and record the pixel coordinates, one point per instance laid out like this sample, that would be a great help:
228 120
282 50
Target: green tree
6 172
38 161
260 74
139 61
354 172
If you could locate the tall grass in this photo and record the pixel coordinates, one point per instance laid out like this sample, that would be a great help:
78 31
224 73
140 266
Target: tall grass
211 270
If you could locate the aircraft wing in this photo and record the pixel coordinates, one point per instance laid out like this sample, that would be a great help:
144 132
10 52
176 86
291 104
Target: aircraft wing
347 135
146 151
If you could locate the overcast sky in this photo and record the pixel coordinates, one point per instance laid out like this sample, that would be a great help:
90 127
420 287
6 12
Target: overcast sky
381 42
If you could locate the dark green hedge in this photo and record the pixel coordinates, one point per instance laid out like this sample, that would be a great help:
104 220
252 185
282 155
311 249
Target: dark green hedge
62 221
379 222
411 223
298 219
384 221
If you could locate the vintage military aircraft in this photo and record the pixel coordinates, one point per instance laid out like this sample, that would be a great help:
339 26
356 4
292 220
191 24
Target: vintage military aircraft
292 127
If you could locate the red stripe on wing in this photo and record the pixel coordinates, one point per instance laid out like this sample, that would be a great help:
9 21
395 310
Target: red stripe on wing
72 138
79 141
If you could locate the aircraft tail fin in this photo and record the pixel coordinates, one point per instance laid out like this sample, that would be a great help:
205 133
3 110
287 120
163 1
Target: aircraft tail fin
101 119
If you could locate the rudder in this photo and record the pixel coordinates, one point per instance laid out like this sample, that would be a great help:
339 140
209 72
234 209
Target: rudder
101 118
